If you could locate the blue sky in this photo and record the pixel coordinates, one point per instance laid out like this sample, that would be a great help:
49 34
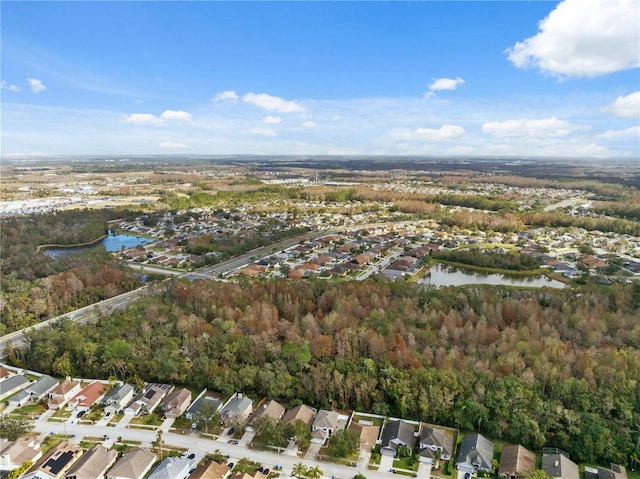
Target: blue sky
448 78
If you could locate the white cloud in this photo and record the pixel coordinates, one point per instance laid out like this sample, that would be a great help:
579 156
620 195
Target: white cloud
523 127
228 95
444 84
173 145
143 119
308 124
626 106
444 133
8 86
583 39
264 132
272 103
149 119
632 133
176 115
461 150
272 120
36 85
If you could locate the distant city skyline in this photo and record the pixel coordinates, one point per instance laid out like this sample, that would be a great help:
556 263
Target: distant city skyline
520 78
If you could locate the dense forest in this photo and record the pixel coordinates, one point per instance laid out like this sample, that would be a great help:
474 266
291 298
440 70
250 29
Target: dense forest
36 286
541 368
489 259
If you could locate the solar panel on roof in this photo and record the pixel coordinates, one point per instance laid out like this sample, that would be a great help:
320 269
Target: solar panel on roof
56 465
150 394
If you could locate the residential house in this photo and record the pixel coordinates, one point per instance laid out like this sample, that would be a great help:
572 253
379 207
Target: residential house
475 454
270 408
395 434
238 407
559 466
615 472
15 454
134 464
516 462
194 409
325 424
433 439
12 384
94 463
59 396
148 400
172 468
210 470
118 398
55 463
88 396
4 372
368 434
35 391
176 403
302 413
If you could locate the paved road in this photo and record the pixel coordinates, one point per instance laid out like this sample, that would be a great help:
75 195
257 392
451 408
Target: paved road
202 446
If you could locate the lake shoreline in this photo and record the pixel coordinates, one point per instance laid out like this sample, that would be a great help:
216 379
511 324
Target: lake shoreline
64 246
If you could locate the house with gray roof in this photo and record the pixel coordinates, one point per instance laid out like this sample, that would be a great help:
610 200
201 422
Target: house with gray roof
35 391
325 424
237 407
615 472
12 385
559 466
15 454
118 398
395 434
205 402
134 464
172 468
93 464
433 439
475 454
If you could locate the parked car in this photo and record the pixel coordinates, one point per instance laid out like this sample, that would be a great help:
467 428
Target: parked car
80 414
231 431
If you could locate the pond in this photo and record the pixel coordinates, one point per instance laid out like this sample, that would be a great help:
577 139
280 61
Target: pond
110 243
447 275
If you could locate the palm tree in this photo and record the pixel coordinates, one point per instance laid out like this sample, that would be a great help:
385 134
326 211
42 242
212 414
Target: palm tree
299 470
314 473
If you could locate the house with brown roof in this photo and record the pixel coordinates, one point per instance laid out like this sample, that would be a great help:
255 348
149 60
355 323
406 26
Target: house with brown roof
368 434
272 409
176 403
516 462
4 372
15 454
93 464
210 470
55 463
134 464
303 413
88 396
59 396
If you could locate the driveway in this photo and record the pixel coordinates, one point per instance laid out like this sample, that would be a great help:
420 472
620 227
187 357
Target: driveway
313 451
386 463
424 470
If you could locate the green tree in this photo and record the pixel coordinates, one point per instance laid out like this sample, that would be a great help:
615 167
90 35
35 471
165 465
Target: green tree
537 474
299 470
207 415
345 442
314 473
16 473
12 428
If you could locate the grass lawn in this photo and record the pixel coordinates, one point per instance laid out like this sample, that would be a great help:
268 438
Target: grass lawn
30 410
633 475
63 413
406 463
182 423
147 420
375 421
246 466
